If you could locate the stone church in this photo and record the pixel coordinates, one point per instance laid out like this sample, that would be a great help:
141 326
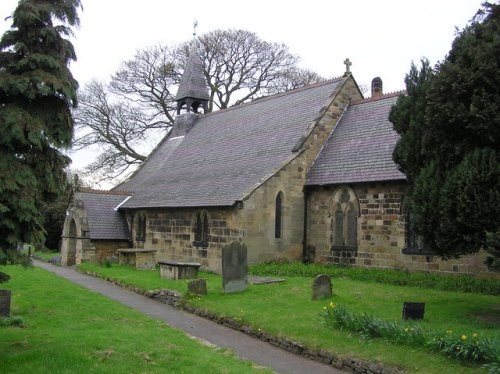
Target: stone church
307 174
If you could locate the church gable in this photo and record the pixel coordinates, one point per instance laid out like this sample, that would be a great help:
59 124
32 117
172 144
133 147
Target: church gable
93 228
105 222
360 148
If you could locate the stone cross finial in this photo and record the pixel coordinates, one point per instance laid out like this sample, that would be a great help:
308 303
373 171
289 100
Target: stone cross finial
195 25
348 64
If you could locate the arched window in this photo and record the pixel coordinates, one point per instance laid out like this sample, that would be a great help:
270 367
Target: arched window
352 227
201 230
338 236
278 216
141 228
345 221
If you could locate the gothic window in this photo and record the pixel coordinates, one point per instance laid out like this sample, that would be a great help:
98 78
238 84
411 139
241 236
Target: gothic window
278 216
141 228
352 226
345 221
339 227
201 230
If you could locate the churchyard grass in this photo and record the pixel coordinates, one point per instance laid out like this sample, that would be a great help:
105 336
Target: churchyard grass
453 282
45 256
286 310
69 329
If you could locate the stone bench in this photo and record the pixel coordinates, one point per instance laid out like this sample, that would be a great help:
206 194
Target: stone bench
139 257
178 270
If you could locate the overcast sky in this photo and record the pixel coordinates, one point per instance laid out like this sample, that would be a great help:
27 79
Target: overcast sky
381 38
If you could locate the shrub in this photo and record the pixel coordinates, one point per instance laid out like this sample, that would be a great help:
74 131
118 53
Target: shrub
110 260
12 321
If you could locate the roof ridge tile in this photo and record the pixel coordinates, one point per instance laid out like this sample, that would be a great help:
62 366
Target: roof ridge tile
377 98
104 192
270 97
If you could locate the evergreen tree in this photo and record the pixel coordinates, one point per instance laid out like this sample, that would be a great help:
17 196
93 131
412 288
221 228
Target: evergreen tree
450 142
37 93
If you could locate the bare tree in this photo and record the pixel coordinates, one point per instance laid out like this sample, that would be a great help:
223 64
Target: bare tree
120 130
149 79
240 67
126 117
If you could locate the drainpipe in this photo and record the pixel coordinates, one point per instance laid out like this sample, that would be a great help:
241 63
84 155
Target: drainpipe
304 239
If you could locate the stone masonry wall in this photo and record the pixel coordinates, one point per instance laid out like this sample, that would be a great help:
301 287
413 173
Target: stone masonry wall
380 233
258 214
76 247
171 233
257 218
106 248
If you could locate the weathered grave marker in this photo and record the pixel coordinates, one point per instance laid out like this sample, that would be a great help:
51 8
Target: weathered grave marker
322 287
198 287
234 267
5 296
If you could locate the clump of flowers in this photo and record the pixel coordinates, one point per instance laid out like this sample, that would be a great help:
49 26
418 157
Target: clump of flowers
469 347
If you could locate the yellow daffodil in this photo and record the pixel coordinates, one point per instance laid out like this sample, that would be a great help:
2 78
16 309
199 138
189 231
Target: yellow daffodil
463 337
332 305
324 308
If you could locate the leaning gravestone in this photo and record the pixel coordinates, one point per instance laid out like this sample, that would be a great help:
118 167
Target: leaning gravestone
198 287
234 267
322 287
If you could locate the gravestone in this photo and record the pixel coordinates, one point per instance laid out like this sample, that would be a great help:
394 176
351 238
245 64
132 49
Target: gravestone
5 303
198 287
322 287
234 267
413 310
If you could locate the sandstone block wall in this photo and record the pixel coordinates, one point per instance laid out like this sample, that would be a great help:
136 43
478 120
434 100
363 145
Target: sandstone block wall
380 233
258 214
171 233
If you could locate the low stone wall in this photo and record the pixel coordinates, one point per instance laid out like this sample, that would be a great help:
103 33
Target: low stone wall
175 299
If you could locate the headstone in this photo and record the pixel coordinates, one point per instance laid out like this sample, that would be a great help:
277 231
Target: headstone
322 287
4 303
234 267
413 311
198 287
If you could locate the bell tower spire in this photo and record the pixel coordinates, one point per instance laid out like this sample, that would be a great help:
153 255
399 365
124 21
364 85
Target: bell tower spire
193 89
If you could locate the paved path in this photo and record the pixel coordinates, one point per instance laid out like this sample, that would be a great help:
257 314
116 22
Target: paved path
260 352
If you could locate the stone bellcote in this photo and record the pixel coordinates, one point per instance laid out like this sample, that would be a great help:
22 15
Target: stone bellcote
193 89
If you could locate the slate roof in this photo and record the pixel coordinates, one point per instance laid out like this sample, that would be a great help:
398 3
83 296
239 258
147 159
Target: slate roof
228 153
360 146
193 83
104 222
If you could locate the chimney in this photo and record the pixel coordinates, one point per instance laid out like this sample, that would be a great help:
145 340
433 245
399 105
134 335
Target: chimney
377 87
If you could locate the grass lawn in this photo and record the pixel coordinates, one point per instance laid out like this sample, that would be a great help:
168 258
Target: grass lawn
45 256
72 330
286 309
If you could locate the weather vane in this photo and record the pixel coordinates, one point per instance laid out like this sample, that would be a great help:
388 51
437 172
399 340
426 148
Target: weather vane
195 25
